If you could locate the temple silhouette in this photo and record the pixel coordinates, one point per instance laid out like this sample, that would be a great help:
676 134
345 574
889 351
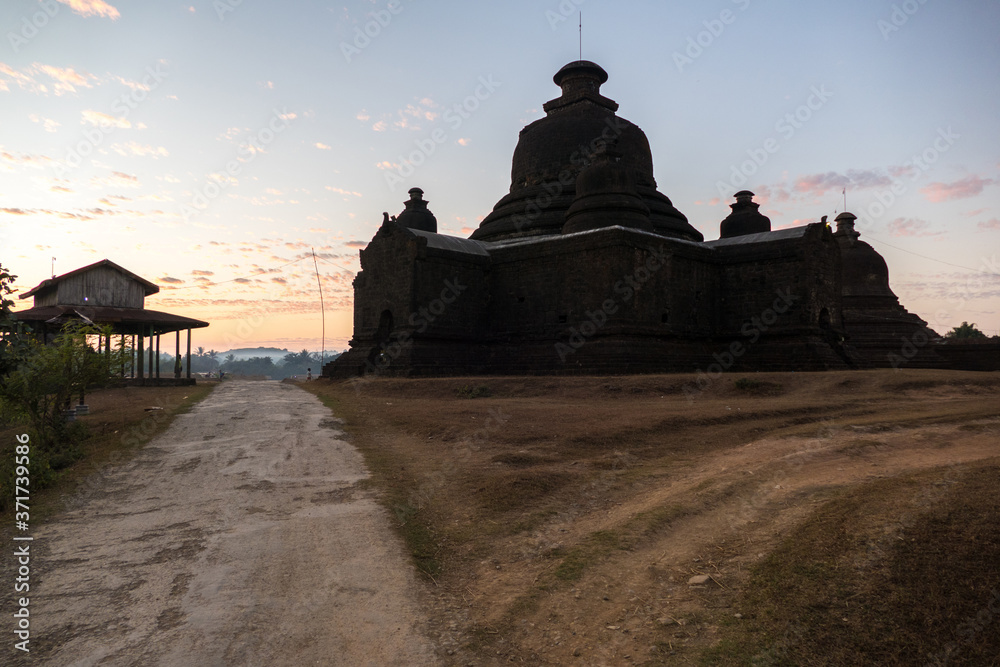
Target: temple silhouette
585 266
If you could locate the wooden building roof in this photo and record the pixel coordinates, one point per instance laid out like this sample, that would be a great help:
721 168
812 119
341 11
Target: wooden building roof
45 285
102 293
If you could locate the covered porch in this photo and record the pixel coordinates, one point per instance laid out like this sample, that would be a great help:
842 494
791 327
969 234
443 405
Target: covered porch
139 328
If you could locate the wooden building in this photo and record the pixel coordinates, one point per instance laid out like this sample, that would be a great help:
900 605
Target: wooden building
107 294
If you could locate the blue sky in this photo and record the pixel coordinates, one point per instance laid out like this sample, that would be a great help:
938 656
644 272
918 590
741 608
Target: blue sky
209 146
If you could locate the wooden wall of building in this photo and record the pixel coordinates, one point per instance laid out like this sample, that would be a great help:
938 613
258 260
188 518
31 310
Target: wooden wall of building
101 286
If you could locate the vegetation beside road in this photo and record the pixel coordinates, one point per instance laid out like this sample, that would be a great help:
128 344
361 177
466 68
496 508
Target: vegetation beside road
120 422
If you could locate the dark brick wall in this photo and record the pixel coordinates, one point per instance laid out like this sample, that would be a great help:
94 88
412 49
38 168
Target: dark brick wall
612 300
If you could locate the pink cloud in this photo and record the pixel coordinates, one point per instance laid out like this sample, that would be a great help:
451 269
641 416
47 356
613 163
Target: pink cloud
356 244
92 8
910 227
970 186
853 179
993 223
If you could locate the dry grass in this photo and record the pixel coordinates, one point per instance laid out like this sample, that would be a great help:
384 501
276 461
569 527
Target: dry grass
559 519
900 571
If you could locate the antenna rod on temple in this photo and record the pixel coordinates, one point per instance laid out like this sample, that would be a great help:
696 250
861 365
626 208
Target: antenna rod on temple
581 34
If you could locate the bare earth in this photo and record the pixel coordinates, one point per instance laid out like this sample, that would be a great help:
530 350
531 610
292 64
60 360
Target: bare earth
570 513
237 537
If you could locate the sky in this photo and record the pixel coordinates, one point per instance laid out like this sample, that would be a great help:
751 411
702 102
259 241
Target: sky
212 146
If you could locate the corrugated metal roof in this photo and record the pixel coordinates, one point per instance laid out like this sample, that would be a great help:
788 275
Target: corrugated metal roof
124 320
763 237
454 243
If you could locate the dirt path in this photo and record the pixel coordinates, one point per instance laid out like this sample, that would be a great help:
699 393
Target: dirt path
237 537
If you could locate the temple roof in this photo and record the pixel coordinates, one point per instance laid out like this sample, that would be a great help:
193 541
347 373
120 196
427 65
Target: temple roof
745 218
865 272
552 151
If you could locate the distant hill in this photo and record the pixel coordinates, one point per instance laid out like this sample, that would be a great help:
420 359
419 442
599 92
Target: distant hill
276 354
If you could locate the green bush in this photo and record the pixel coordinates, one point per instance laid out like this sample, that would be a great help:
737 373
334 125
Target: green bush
468 391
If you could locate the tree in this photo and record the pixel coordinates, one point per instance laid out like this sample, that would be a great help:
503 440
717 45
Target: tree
12 348
966 330
298 363
46 378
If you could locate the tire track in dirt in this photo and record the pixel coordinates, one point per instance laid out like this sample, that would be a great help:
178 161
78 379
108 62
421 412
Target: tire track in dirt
239 536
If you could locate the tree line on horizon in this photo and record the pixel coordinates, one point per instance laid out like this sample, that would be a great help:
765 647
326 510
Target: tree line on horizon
290 365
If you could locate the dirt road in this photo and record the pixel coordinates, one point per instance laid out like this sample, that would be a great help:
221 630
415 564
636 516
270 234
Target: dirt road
237 537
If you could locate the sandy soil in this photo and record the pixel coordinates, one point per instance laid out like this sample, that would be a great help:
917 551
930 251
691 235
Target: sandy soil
240 536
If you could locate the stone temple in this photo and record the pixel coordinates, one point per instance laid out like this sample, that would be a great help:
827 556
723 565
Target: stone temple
585 266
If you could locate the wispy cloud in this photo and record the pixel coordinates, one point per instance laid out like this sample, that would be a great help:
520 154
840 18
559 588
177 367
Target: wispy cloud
911 227
25 159
49 124
134 148
341 191
66 79
102 119
92 8
322 146
992 223
970 186
61 79
820 184
117 179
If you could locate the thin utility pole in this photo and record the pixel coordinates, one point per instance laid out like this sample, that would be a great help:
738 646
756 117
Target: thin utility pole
322 355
